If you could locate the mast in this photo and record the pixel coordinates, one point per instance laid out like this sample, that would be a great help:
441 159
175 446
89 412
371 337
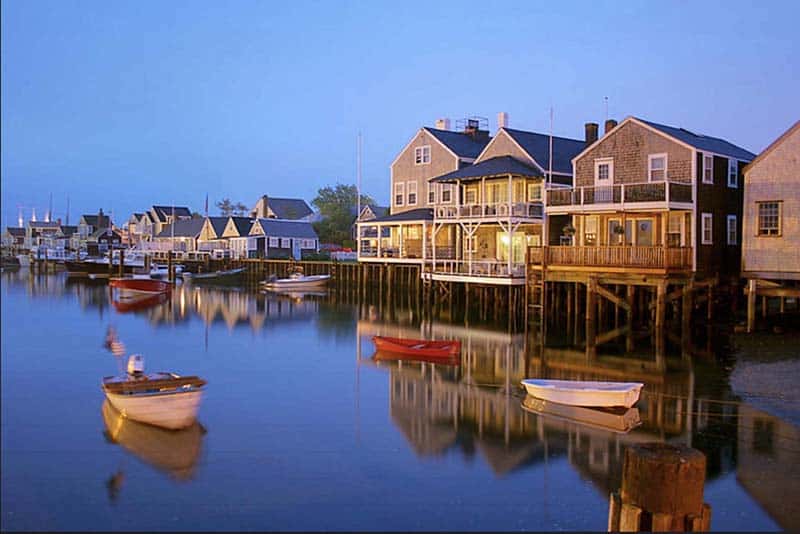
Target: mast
358 201
550 159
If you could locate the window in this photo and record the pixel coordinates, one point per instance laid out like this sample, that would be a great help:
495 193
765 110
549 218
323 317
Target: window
431 193
534 192
412 193
708 169
399 194
674 227
447 193
590 231
604 171
769 218
707 230
732 237
657 167
471 195
733 173
274 242
422 155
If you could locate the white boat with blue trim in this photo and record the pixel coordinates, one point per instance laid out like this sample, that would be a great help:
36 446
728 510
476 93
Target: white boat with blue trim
584 393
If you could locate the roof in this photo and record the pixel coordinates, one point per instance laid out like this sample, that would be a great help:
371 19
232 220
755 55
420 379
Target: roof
419 214
289 208
500 165
100 231
68 230
162 212
282 228
218 224
379 211
92 220
183 228
243 224
538 147
702 142
785 135
43 224
462 144
15 231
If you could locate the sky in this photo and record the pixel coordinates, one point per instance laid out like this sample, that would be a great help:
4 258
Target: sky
124 104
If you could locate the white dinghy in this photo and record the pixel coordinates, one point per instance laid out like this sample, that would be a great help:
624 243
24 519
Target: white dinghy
585 393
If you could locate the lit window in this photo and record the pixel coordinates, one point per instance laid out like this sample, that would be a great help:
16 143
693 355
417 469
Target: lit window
708 169
707 229
769 218
732 236
733 173
590 231
399 194
657 167
422 155
534 192
412 193
471 195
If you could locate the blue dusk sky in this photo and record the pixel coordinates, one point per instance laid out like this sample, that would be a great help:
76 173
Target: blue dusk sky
125 104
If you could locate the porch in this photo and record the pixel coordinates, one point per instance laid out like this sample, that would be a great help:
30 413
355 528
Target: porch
400 238
623 257
642 195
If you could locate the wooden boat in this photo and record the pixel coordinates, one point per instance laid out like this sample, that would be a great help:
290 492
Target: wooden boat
295 282
418 347
133 288
620 420
162 399
229 277
383 356
584 393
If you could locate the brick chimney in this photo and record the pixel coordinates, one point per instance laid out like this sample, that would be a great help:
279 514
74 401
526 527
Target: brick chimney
609 125
591 132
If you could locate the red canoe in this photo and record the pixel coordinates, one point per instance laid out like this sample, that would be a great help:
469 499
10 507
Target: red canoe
418 347
138 287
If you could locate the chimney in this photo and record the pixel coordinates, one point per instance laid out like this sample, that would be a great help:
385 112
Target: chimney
502 120
443 124
591 132
59 221
610 123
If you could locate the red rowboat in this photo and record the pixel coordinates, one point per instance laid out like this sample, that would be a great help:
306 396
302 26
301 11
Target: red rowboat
139 287
419 348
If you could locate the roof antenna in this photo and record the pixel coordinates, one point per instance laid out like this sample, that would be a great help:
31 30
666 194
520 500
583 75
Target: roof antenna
606 102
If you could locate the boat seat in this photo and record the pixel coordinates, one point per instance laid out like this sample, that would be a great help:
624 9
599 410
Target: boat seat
419 346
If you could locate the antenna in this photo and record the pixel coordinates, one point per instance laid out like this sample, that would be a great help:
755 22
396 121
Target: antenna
550 159
67 210
50 209
605 98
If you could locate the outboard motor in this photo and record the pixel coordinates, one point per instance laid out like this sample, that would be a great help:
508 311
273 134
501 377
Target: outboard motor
136 365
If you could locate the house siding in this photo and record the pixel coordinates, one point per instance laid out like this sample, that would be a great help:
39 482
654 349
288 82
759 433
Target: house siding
405 170
630 145
775 177
503 145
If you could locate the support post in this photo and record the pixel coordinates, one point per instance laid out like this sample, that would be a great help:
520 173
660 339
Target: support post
591 309
752 288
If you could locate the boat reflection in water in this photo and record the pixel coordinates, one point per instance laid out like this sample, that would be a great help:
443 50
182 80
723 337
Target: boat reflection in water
139 303
619 420
174 452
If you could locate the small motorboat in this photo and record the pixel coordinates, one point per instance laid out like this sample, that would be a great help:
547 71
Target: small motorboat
296 281
134 288
619 420
418 348
162 271
584 393
162 399
228 277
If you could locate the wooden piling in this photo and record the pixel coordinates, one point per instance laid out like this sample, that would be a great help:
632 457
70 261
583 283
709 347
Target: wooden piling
121 262
591 309
752 288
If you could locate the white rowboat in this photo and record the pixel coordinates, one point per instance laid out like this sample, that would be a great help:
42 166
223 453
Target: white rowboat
297 281
585 393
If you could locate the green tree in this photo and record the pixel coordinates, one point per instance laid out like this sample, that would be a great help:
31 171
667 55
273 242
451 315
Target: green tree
239 209
225 207
337 207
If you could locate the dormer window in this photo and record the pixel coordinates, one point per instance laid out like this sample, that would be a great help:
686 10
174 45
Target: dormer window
422 155
733 173
657 167
708 169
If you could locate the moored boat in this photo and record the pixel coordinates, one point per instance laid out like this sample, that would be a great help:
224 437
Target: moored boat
584 393
296 281
129 288
620 420
228 277
418 347
162 399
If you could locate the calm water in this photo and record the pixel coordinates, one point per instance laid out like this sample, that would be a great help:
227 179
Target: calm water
302 429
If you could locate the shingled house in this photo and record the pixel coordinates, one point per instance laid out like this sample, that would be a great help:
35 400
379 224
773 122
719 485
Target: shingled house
292 209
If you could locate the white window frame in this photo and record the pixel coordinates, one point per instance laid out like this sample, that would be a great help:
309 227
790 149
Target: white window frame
411 189
709 168
471 190
650 169
274 242
534 192
731 230
447 188
707 223
733 172
759 228
422 155
431 193
597 164
399 194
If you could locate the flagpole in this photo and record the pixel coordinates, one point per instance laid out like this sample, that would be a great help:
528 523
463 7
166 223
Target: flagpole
358 202
550 159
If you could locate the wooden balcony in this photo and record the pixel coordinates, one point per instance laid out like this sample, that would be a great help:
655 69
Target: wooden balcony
491 211
617 257
645 194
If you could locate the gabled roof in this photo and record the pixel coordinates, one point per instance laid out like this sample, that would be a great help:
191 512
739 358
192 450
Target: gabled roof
419 214
462 144
43 224
283 228
538 147
242 224
498 166
68 230
100 231
218 224
162 212
702 142
92 220
146 215
785 135
16 231
183 228
379 211
289 208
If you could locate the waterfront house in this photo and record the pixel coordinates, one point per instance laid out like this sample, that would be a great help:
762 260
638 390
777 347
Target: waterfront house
368 213
280 239
236 232
13 237
771 225
133 229
66 238
291 209
88 224
649 198
102 240
431 152
211 238
162 216
41 234
179 236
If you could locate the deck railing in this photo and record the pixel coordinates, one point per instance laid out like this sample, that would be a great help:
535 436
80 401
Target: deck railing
410 249
493 210
621 194
478 268
647 257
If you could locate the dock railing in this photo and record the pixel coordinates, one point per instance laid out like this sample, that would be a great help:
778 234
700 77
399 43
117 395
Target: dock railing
648 257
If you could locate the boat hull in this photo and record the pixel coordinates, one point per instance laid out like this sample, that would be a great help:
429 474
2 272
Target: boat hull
172 410
418 347
231 277
133 288
295 284
577 393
